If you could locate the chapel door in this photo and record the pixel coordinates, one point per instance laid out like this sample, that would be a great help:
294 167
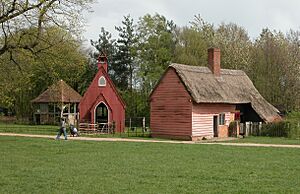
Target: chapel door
101 115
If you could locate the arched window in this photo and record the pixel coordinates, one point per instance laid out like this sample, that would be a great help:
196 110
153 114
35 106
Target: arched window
102 81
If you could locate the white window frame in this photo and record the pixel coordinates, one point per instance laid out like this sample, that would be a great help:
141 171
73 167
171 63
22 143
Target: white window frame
99 81
221 119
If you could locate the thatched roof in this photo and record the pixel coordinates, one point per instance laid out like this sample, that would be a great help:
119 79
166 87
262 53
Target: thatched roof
232 87
58 92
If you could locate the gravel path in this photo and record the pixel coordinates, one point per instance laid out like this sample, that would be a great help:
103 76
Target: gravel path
152 141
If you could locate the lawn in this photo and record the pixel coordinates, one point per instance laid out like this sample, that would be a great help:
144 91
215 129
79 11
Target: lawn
29 129
267 140
33 165
52 130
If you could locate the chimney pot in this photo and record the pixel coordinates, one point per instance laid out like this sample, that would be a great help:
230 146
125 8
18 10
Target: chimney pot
214 61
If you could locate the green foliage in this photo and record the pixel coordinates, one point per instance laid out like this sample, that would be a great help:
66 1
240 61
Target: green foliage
293 116
125 59
140 55
31 72
278 129
156 48
290 127
232 129
191 47
144 51
32 165
294 123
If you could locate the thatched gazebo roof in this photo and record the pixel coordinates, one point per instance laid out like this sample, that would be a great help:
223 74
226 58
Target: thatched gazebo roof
232 87
58 92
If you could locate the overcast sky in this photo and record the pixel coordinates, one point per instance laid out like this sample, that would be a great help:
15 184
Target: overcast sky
253 15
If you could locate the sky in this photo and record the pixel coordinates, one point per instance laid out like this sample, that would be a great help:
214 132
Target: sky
253 15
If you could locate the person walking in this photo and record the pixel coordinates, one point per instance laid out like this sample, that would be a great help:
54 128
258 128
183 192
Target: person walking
62 129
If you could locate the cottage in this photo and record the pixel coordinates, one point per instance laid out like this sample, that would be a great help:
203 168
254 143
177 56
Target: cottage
101 103
192 102
57 101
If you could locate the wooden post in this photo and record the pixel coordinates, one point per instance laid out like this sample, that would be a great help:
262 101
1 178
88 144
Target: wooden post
75 115
61 110
129 126
144 125
69 107
54 107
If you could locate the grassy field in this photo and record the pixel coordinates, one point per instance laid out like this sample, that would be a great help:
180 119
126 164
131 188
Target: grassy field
32 165
267 140
29 129
52 130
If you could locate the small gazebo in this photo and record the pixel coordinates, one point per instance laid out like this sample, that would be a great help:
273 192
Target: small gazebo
59 100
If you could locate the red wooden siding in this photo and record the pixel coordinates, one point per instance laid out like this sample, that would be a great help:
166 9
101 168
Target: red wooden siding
171 108
108 95
202 119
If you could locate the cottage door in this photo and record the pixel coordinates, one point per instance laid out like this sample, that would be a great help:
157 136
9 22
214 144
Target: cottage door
215 126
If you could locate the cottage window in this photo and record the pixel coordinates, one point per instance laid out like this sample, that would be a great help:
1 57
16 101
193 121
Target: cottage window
102 81
222 119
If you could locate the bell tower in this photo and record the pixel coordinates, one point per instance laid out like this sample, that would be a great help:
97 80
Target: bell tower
102 61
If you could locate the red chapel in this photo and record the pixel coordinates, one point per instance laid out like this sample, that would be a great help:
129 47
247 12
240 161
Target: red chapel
101 103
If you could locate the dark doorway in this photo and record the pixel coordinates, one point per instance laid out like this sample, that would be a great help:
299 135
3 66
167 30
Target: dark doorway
215 126
247 113
101 114
38 119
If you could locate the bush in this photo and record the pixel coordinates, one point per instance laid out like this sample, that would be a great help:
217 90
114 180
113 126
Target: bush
290 127
279 129
232 129
294 130
293 119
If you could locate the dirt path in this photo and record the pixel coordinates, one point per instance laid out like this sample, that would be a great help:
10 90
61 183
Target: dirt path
152 141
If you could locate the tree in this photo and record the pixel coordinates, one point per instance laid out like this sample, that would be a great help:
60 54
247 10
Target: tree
17 16
233 40
235 45
270 56
126 65
106 44
156 48
292 72
39 70
126 52
191 47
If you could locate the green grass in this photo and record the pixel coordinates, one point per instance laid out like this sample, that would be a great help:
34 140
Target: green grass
29 129
267 140
52 130
33 165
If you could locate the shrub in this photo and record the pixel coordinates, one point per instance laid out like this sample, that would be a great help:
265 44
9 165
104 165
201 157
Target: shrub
293 119
290 127
278 129
294 130
232 129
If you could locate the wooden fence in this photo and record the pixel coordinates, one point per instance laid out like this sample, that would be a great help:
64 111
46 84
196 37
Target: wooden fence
262 129
134 127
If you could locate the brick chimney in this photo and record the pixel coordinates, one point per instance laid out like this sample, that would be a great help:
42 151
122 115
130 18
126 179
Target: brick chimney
102 61
214 61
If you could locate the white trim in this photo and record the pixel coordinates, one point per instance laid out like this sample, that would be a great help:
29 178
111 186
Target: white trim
108 112
102 77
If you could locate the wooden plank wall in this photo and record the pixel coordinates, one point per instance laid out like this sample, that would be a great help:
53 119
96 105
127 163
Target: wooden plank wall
202 119
171 108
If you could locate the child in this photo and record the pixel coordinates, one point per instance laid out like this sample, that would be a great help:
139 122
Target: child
73 131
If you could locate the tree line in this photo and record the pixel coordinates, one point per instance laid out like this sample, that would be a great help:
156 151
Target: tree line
140 54
144 49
